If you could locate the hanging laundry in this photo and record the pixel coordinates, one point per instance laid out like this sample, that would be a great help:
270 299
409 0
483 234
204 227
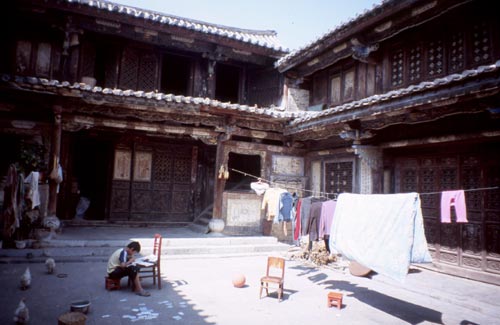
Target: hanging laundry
271 201
259 187
456 199
305 210
383 232
11 214
312 228
33 193
286 206
297 230
325 221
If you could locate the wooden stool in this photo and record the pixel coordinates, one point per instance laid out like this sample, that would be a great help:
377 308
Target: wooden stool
334 298
112 284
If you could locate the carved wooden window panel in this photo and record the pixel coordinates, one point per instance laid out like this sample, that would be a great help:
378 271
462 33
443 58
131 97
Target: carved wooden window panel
163 167
415 64
349 85
129 69
339 176
33 58
481 43
435 59
142 166
148 72
397 69
335 89
457 53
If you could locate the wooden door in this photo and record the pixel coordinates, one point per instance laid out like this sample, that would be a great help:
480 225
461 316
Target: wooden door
156 185
469 249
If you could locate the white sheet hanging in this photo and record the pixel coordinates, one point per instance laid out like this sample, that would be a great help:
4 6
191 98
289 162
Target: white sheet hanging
383 232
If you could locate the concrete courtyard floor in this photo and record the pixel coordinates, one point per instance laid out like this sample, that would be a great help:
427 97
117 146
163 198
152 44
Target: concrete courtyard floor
200 291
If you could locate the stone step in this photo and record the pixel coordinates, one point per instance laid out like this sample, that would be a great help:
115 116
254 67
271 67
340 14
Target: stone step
101 249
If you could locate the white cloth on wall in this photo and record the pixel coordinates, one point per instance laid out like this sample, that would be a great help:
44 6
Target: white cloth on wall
383 232
34 193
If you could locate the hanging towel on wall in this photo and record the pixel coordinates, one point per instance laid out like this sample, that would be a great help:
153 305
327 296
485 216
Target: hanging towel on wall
383 232
456 199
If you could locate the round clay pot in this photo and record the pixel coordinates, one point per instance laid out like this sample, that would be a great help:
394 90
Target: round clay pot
216 225
239 280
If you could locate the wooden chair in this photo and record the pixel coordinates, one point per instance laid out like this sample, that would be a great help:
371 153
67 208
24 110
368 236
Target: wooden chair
275 273
154 270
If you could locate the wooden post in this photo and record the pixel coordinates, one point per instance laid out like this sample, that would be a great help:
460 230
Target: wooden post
219 182
54 160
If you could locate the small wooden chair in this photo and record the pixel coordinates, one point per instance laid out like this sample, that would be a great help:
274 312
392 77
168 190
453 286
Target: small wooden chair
153 271
111 284
275 273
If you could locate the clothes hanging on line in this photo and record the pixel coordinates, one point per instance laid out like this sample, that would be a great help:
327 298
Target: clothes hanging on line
312 227
259 187
33 193
271 201
286 206
297 222
453 199
325 221
383 232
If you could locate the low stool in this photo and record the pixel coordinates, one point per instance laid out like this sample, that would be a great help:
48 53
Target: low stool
334 298
112 284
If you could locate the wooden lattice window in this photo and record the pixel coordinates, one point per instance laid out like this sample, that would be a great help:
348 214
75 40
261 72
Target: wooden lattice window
457 55
147 72
397 69
339 176
415 72
435 58
129 69
481 43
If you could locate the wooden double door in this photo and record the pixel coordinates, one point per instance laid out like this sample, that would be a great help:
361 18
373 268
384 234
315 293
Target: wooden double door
154 183
469 249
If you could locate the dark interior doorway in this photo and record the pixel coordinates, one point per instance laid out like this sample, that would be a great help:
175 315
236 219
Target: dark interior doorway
249 164
91 168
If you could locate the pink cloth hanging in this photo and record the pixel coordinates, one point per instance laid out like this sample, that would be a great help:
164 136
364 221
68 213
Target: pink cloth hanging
456 199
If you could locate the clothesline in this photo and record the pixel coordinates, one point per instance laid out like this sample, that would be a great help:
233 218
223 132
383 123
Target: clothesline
321 194
336 194
467 190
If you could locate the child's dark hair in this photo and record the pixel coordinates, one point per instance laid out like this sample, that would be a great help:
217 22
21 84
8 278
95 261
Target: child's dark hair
135 246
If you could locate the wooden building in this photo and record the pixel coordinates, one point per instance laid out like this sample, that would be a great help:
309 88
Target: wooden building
144 111
406 99
141 109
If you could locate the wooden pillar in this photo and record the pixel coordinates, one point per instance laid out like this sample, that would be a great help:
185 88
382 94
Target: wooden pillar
220 183
54 159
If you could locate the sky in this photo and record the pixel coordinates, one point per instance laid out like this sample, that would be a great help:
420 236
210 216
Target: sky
297 22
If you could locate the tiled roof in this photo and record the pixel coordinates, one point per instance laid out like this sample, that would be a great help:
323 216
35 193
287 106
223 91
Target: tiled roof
53 85
263 38
397 93
316 43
